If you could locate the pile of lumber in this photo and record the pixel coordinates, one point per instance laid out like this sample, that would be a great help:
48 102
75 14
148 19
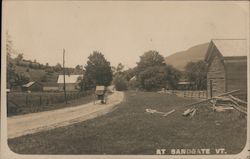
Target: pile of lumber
226 102
190 112
222 102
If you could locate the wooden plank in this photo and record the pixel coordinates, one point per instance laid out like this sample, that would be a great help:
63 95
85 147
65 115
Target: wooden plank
170 112
240 109
193 113
237 99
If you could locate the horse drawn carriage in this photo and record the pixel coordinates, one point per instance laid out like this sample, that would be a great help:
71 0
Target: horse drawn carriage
101 94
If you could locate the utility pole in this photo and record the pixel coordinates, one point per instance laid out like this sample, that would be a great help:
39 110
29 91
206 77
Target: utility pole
64 86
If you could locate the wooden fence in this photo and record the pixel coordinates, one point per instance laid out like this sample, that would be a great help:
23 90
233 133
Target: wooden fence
43 98
189 94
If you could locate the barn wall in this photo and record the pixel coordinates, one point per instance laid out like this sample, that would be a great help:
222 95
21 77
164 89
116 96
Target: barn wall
50 88
69 87
216 73
236 74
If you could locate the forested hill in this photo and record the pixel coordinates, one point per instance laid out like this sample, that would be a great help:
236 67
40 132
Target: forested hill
35 71
193 54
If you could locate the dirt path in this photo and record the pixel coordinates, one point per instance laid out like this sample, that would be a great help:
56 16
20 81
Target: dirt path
36 122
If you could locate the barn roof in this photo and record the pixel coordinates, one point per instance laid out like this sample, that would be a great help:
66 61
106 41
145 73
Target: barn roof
228 47
185 83
29 84
69 78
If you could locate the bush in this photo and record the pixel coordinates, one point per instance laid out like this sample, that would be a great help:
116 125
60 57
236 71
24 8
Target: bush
12 109
120 83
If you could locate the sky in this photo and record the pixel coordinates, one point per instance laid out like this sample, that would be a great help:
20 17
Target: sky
121 30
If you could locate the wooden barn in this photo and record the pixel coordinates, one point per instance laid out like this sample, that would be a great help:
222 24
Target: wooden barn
186 85
71 82
227 66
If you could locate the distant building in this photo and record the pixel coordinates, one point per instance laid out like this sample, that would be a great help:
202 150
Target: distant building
50 86
32 86
71 82
185 85
227 66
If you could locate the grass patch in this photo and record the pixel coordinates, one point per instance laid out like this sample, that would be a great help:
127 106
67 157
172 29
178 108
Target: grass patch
129 130
24 103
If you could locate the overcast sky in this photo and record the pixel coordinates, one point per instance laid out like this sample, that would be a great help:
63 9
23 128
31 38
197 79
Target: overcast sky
122 31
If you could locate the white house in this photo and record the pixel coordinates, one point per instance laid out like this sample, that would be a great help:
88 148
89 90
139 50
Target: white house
71 82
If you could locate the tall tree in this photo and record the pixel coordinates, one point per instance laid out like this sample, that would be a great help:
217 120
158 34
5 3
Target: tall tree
9 47
11 75
197 72
150 59
97 71
152 72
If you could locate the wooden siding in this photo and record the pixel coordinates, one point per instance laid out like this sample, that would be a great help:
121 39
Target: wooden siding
236 74
50 88
216 73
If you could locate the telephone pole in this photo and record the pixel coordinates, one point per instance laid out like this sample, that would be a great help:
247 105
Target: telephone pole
64 85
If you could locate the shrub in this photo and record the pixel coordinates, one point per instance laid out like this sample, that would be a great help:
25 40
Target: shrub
120 83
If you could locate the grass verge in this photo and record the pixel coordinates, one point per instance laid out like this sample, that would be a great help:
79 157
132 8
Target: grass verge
130 130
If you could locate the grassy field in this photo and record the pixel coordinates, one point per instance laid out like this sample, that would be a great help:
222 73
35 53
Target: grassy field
130 130
23 103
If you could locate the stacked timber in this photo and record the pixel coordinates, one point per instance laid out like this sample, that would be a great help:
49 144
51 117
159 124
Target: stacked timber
223 102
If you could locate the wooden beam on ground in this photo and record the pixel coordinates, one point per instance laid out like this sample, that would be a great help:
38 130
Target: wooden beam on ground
240 109
237 99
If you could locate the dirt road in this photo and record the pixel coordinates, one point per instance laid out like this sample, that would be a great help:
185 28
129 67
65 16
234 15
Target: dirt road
36 122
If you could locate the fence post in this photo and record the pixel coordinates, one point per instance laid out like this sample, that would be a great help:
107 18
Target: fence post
47 100
26 99
40 100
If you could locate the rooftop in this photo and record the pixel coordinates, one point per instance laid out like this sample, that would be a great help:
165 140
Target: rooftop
231 47
69 78
29 84
228 48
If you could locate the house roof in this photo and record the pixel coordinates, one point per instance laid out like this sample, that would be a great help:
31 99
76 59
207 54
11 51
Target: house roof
69 78
185 83
28 84
228 47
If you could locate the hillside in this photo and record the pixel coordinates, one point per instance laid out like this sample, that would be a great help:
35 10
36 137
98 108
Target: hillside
180 59
33 72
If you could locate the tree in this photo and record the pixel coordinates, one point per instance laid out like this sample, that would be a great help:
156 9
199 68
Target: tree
197 72
19 57
58 67
150 59
9 47
152 78
152 72
120 82
78 69
97 71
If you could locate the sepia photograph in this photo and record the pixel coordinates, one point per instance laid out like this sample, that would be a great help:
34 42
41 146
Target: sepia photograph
144 78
